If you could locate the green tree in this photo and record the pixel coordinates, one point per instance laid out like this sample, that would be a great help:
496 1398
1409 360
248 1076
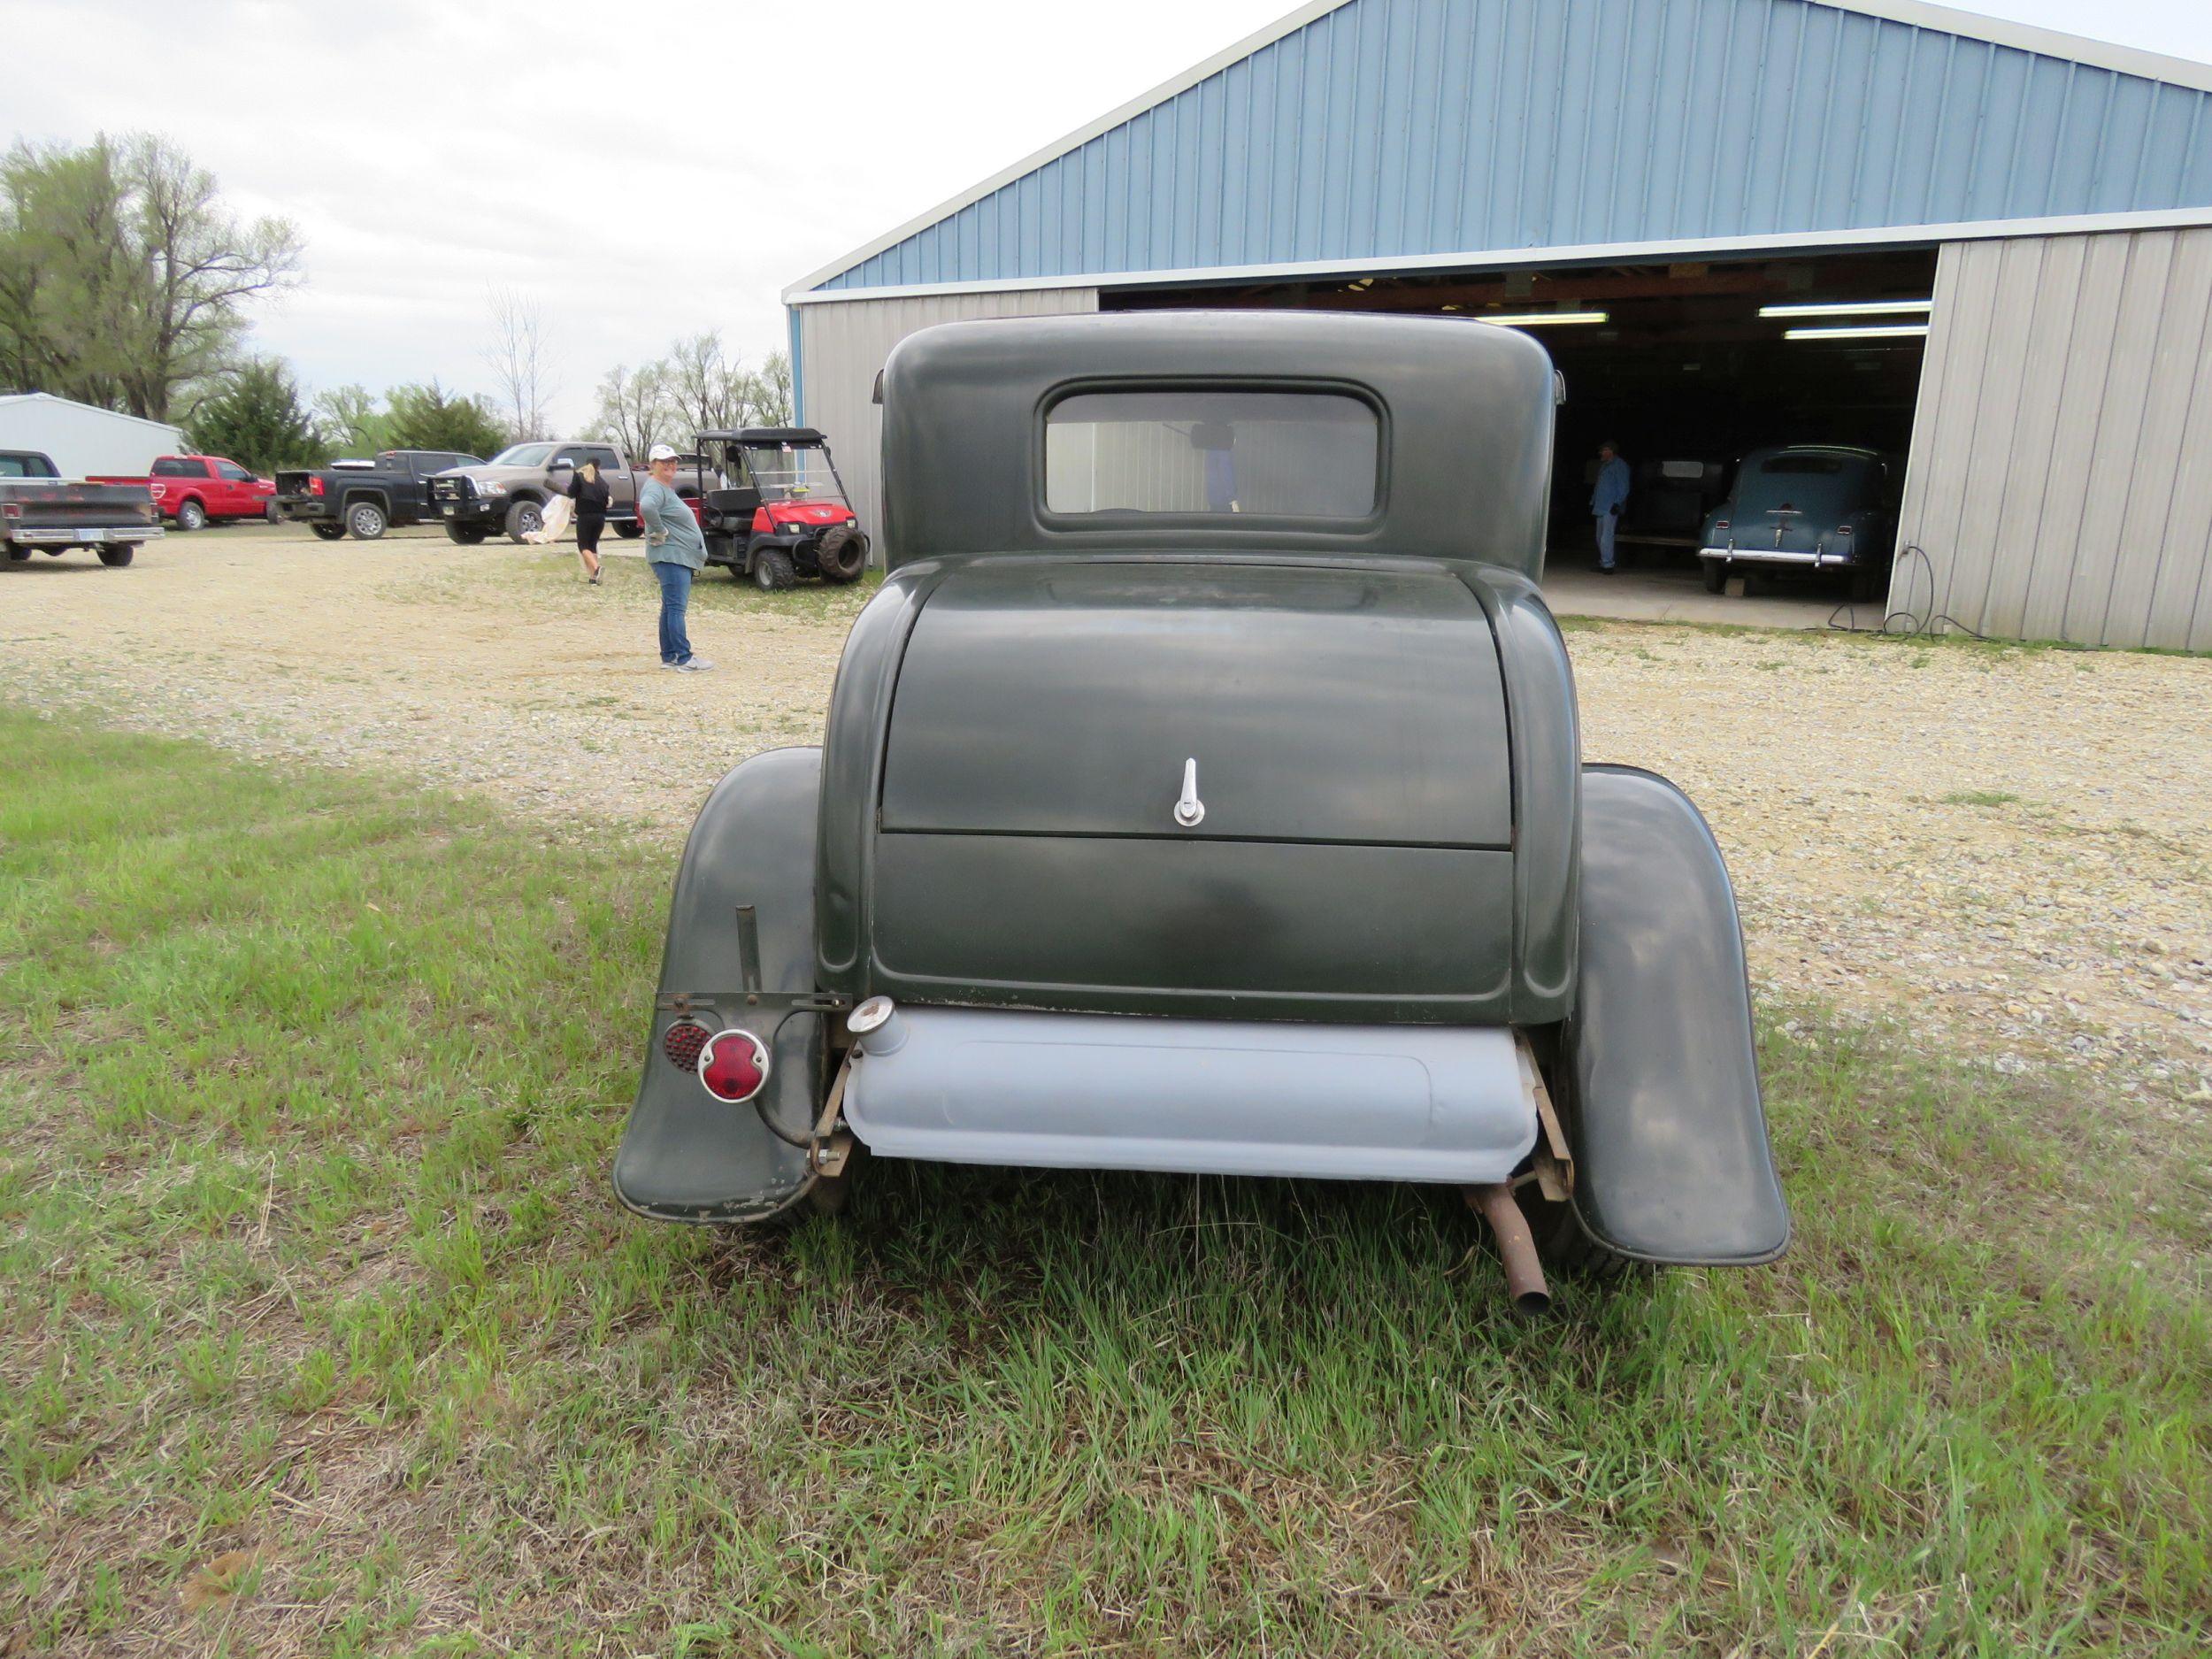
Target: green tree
351 420
123 280
257 419
430 418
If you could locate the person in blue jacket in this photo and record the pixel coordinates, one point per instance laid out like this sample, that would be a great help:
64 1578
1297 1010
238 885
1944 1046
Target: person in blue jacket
1607 500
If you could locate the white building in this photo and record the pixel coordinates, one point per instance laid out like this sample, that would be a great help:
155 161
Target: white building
82 438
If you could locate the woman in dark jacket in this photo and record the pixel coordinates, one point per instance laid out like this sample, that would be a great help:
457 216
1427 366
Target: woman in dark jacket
591 496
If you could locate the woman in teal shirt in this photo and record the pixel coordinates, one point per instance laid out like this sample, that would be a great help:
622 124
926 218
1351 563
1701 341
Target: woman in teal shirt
675 551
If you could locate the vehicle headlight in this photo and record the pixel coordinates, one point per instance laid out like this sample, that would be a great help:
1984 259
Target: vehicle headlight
490 489
852 523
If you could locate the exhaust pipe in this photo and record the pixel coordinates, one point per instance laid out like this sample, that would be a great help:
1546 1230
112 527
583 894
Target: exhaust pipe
1517 1247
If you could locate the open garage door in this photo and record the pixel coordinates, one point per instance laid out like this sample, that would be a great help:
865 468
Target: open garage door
1690 369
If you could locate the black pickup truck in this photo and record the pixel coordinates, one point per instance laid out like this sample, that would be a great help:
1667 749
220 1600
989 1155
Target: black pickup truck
364 497
42 511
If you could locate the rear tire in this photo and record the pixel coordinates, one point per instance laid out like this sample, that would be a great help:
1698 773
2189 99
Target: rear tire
365 521
524 517
1715 576
841 555
191 517
117 554
630 530
329 532
270 515
466 535
774 571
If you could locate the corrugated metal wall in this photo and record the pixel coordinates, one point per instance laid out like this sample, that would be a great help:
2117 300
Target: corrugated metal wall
1419 126
2060 478
843 345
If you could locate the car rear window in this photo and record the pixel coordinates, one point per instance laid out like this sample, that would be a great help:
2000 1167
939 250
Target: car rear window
1301 455
177 469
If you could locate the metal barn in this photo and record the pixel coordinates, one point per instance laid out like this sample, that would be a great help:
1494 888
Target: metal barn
1981 248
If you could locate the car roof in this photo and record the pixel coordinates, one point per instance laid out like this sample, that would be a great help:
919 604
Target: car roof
1464 415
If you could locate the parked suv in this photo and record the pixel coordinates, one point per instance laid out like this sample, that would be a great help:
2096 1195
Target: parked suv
509 492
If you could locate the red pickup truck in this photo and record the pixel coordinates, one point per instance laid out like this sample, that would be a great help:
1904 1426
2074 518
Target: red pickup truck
195 489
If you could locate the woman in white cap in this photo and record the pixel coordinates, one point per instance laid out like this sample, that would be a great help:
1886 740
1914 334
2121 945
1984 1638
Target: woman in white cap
676 551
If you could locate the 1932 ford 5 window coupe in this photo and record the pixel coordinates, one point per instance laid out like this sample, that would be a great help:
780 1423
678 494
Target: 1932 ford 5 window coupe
1202 792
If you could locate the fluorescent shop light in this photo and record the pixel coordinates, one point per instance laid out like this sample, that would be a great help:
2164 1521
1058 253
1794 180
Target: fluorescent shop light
1849 308
1538 320
1885 331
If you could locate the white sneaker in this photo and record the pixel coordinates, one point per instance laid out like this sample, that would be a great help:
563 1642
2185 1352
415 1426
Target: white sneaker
694 666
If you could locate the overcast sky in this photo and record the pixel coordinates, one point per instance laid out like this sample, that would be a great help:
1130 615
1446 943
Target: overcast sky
431 152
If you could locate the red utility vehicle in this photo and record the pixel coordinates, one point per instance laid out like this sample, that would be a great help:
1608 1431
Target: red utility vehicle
193 489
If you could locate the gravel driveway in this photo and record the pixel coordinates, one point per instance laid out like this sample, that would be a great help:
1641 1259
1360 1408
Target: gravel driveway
2009 848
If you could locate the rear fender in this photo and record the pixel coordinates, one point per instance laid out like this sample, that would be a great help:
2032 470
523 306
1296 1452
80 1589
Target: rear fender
686 1155
1672 1162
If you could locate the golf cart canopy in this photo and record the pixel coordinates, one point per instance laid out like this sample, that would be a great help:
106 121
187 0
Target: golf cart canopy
1254 433
765 434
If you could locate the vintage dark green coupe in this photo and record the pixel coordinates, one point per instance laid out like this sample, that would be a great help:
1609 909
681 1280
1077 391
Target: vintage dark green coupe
1203 793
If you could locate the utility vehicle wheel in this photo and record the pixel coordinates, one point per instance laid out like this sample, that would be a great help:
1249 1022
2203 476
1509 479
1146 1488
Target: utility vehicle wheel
772 570
467 534
329 532
117 554
524 517
629 532
366 520
842 555
1715 575
191 516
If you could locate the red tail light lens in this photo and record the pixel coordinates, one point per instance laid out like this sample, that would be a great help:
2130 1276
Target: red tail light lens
1720 524
683 1042
733 1065
314 487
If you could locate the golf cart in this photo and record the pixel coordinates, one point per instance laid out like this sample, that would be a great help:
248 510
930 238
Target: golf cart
772 508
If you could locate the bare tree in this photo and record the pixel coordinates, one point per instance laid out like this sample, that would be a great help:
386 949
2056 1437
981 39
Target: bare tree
707 386
768 392
636 409
518 357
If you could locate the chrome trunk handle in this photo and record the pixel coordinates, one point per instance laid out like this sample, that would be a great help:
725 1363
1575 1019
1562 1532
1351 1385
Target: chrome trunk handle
1190 809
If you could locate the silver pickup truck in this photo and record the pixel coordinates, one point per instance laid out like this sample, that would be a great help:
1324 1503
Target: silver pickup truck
509 492
42 511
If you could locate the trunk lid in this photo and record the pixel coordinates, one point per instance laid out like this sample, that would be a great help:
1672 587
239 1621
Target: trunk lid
1320 705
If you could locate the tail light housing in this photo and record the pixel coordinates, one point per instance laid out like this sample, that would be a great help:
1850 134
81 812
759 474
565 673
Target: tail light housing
11 510
731 1064
314 486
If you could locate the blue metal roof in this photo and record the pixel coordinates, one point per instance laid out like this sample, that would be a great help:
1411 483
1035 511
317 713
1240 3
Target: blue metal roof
1393 129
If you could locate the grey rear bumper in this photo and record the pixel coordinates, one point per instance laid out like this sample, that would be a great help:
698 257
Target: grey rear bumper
1197 1096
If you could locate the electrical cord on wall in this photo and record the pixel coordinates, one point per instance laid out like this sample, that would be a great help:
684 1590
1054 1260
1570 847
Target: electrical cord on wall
1904 625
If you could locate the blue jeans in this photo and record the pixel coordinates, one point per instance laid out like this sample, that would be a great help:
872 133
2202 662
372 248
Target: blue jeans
675 582
1606 525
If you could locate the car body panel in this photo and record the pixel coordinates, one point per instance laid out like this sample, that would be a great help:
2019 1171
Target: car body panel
686 1155
1671 1156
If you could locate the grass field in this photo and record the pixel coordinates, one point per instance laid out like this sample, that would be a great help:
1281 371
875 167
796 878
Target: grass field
320 1333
